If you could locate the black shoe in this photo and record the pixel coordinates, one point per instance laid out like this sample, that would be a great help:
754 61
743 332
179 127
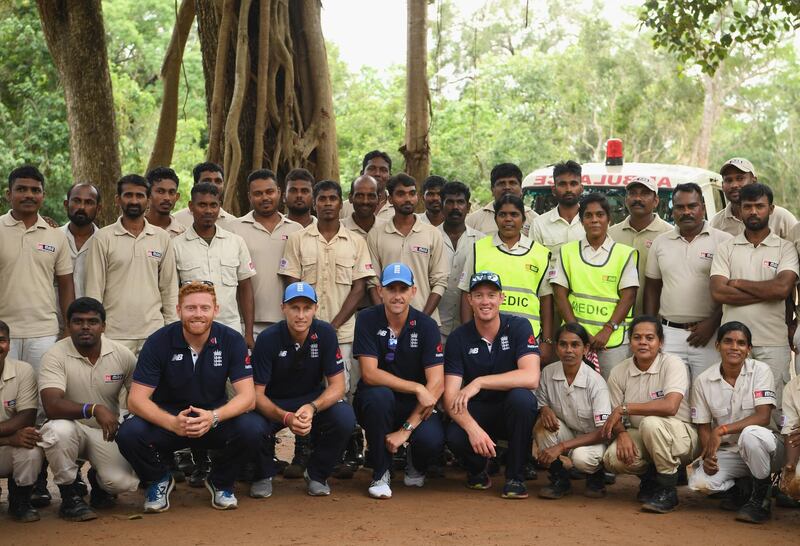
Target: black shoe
73 507
737 495
609 478
80 485
560 485
40 496
683 478
99 497
169 461
783 500
758 508
575 474
647 485
665 498
184 461
529 470
201 470
19 503
493 468
595 485
353 456
302 452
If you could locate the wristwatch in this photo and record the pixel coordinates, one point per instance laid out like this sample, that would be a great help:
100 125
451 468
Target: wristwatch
624 410
613 325
314 406
408 426
214 419
547 340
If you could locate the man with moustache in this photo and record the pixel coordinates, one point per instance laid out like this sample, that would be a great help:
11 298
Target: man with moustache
561 224
207 172
299 196
130 269
363 201
641 226
164 186
505 178
677 284
378 165
82 205
432 197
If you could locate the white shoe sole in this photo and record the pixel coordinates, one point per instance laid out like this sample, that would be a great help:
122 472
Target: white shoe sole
414 482
380 495
170 487
219 506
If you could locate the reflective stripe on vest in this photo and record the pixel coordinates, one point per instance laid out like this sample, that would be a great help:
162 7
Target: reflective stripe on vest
521 276
594 289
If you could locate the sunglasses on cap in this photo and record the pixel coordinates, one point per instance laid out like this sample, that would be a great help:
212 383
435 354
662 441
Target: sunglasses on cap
207 283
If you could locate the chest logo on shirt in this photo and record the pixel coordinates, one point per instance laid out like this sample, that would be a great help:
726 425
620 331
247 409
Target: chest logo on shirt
45 248
532 268
217 358
648 244
472 351
656 395
420 249
707 255
284 238
154 254
763 394
113 377
770 264
382 333
600 418
282 354
414 340
177 358
10 403
609 278
314 350
504 344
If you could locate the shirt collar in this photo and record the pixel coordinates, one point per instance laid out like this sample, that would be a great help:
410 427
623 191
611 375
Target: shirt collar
119 229
716 375
524 242
554 217
675 233
626 224
191 234
769 240
9 370
105 348
654 368
389 226
313 229
9 220
581 378
607 244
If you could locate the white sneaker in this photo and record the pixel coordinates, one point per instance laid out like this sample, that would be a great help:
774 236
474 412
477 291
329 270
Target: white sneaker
379 489
413 477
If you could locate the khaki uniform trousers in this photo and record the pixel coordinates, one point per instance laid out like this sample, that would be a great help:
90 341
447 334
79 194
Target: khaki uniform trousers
666 442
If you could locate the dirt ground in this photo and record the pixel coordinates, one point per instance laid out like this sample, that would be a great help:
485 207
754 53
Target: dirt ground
443 512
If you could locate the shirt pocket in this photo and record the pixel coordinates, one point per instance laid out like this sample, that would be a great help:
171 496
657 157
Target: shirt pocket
308 270
586 419
344 269
721 413
748 403
189 271
228 271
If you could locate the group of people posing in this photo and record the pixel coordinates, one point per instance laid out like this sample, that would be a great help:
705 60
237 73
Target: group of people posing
502 337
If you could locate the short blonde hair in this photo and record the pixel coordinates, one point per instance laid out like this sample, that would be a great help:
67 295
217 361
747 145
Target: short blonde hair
196 287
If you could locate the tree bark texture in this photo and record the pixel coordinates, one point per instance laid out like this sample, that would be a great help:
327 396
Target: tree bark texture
416 149
75 37
271 103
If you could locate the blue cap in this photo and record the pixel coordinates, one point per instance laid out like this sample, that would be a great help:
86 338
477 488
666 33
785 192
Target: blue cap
397 272
488 277
299 290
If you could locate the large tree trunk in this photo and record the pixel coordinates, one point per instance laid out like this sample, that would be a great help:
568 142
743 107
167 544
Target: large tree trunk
712 110
416 149
164 143
268 89
75 37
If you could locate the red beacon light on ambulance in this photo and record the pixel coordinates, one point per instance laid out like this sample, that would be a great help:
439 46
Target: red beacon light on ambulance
613 152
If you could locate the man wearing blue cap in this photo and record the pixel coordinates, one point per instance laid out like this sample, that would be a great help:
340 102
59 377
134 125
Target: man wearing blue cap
491 366
402 378
292 359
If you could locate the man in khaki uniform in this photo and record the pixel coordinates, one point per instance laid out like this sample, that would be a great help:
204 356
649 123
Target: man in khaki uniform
377 165
640 227
32 256
677 284
737 173
207 172
751 276
82 205
131 269
299 185
265 232
207 252
20 458
363 201
80 384
432 197
417 245
164 186
650 389
504 178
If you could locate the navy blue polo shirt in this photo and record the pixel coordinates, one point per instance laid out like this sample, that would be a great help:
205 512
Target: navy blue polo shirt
289 371
165 364
416 347
467 354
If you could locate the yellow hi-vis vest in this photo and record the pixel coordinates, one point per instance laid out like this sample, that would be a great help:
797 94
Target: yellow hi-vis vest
521 275
594 289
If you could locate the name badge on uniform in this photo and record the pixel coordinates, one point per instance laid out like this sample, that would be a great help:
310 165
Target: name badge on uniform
113 377
420 249
707 255
154 254
217 358
45 248
769 264
532 268
656 395
763 394
10 403
610 278
600 419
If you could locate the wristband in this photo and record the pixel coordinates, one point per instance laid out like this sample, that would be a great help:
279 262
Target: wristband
83 411
724 429
91 411
286 417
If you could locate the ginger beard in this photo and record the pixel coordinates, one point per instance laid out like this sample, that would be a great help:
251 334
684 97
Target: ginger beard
197 311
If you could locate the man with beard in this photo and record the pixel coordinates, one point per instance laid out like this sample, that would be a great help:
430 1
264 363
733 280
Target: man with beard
506 178
432 197
363 201
207 172
164 194
80 383
82 205
677 287
130 268
751 276
737 173
178 399
408 240
641 226
377 165
299 196
561 224
459 242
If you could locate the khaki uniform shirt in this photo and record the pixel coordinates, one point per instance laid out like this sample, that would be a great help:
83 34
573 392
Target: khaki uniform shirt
629 277
134 278
225 262
781 222
175 228
385 213
791 406
628 384
450 304
78 259
583 406
350 224
184 216
17 389
422 250
266 251
641 241
714 401
684 270
552 231
794 237
64 368
330 267
737 258
483 220
30 260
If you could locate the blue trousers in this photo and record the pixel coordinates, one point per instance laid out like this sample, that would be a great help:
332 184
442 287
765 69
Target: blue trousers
380 411
512 420
330 430
236 439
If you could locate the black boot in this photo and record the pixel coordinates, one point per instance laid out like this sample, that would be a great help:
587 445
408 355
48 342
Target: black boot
647 485
99 498
758 508
184 461
665 499
737 495
560 485
73 507
353 456
596 485
19 502
79 483
302 452
40 497
202 466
